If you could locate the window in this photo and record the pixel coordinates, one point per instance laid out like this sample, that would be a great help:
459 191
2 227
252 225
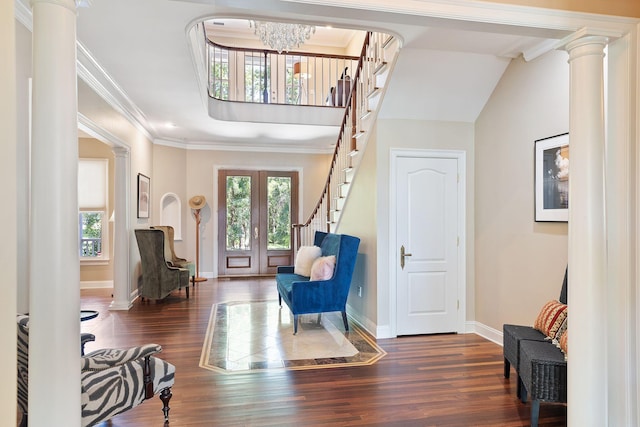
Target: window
93 225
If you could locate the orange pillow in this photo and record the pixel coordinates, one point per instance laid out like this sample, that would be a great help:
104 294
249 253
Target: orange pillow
564 346
550 318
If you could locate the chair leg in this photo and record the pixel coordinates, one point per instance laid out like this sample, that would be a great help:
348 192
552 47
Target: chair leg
193 281
295 324
319 317
344 319
507 368
187 289
165 396
279 299
535 412
519 388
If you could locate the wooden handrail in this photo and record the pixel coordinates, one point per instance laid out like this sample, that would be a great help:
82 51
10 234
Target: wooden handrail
350 112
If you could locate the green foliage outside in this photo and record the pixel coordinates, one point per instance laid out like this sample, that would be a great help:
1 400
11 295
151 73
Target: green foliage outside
91 238
238 212
279 212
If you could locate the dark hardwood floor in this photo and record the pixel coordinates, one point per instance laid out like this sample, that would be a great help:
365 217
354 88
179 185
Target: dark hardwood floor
439 380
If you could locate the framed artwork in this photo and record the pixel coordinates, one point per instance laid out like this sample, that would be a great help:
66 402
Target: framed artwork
144 194
552 178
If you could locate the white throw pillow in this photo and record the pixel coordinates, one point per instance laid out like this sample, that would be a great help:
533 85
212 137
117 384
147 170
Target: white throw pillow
322 268
304 259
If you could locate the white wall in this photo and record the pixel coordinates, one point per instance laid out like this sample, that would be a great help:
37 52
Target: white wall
520 263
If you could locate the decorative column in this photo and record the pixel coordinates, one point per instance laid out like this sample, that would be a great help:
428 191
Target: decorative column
9 211
121 276
587 373
54 298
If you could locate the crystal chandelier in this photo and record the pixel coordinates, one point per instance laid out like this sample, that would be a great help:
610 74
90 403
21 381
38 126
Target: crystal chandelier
280 36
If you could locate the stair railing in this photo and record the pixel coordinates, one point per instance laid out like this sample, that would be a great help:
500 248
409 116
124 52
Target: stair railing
325 215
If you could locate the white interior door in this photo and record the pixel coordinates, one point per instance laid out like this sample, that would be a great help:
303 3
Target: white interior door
427 231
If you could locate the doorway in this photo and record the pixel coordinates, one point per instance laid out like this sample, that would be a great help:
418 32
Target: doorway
429 220
256 211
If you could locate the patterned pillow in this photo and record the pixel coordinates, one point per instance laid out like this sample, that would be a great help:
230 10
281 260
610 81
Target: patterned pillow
564 346
322 268
304 259
550 318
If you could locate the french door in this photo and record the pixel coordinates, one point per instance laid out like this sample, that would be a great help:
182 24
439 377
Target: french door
255 212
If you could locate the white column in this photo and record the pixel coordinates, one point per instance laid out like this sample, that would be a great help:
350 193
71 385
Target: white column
121 276
8 211
622 358
54 302
587 373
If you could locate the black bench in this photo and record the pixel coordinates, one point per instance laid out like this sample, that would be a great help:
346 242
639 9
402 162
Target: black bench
544 355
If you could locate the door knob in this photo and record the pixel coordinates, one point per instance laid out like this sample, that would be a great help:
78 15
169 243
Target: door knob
255 233
403 254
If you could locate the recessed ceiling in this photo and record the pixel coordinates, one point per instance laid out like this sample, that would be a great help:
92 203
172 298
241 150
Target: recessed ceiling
444 72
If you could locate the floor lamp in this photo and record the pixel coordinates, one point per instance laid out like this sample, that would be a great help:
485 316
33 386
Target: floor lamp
196 203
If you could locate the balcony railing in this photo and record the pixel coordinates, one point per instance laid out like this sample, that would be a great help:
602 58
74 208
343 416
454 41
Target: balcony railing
267 77
90 247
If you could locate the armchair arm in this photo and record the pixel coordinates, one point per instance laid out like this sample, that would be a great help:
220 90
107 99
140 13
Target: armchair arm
110 357
285 269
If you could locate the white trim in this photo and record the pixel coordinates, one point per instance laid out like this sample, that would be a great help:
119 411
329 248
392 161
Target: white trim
484 331
98 79
485 12
363 322
96 284
243 146
460 156
94 130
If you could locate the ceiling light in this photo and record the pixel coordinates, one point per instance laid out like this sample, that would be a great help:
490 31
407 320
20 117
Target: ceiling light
282 37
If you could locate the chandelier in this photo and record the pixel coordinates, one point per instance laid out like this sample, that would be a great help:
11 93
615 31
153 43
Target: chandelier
280 36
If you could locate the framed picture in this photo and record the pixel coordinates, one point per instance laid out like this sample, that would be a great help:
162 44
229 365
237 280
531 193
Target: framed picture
144 195
552 178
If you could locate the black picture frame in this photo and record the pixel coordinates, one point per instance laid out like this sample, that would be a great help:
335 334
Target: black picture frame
144 196
552 179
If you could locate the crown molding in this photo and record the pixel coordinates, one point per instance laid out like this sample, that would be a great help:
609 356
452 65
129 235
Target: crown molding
240 146
486 12
90 127
97 78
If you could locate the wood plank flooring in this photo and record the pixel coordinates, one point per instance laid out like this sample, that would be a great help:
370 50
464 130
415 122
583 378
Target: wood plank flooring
438 380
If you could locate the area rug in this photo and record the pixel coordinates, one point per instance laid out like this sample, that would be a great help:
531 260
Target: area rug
257 336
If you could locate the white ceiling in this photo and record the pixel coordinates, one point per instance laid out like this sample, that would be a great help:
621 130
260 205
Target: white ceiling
447 68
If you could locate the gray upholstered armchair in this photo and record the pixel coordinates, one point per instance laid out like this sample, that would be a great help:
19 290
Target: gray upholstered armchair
170 253
159 278
112 380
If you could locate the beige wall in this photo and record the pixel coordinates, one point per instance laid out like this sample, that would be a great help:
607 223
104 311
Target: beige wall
411 134
188 173
359 219
519 262
89 148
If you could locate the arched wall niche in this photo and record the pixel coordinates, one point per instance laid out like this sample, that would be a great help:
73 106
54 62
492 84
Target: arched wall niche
170 213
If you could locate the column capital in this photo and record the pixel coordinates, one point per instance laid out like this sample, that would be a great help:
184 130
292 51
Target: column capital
69 4
593 45
120 151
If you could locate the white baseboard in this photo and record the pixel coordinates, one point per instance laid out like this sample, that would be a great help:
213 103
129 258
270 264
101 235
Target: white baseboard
362 322
484 331
96 284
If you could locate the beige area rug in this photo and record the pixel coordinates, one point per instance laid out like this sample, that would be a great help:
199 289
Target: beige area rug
255 336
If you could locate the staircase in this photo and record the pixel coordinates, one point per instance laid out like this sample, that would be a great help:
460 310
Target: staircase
378 56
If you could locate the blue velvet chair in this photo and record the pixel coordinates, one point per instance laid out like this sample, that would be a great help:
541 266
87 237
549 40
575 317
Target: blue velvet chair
305 296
